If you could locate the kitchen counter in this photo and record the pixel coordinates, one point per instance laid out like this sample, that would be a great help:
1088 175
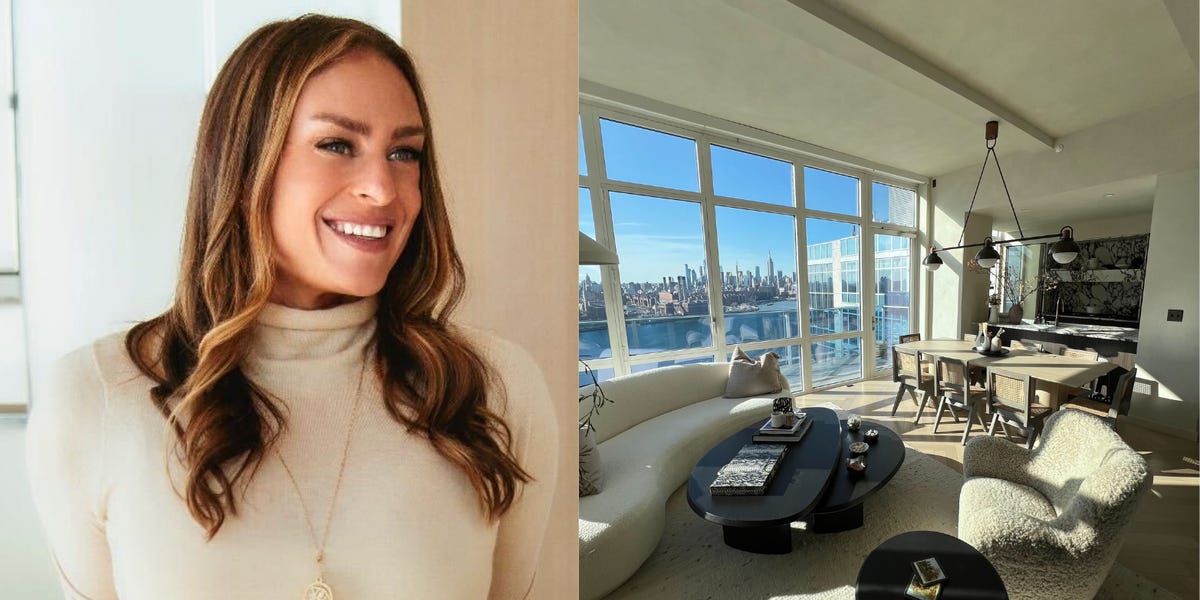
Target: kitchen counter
1099 332
1109 340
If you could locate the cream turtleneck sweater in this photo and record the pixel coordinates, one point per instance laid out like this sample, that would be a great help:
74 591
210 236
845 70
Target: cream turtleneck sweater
406 523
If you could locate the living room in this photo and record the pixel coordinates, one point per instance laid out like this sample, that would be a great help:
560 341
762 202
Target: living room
733 158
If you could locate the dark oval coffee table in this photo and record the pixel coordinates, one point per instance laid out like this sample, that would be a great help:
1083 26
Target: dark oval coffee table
763 523
841 508
887 570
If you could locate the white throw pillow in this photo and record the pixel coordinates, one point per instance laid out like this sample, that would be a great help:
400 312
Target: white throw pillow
590 476
750 378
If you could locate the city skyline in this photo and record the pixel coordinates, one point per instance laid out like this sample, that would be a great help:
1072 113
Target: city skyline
652 231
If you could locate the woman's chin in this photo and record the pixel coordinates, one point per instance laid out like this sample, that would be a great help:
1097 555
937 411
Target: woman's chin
364 288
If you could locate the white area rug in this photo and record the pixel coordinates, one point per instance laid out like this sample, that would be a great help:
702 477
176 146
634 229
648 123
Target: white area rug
692 561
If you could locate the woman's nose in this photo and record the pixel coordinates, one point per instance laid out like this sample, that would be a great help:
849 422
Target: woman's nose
375 181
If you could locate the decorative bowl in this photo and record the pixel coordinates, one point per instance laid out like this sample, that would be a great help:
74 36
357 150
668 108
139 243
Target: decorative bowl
857 464
857 448
853 422
871 435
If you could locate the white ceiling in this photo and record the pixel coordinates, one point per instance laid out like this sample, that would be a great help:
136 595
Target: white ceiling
1058 67
1132 196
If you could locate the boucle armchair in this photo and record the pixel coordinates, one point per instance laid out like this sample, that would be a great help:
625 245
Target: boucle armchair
1051 519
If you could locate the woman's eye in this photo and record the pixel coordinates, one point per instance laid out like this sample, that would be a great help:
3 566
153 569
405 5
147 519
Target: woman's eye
336 146
405 154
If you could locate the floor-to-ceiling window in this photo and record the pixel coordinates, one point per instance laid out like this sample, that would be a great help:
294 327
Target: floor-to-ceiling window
893 222
725 243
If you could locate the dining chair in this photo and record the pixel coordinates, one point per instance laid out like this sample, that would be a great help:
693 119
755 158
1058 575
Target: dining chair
1013 400
916 337
1092 389
952 385
1121 398
907 371
968 337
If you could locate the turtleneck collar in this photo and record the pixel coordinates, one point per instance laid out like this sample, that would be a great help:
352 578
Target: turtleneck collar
284 333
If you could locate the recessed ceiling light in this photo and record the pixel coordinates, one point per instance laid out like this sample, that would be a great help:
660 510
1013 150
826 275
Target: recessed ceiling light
1109 195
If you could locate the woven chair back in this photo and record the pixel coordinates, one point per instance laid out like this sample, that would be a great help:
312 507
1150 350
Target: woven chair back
1012 392
908 365
952 376
1080 354
910 337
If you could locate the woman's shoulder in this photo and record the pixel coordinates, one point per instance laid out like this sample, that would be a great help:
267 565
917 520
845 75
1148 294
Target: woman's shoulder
514 367
501 353
87 378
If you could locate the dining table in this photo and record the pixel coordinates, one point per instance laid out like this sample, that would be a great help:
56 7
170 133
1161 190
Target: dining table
1055 375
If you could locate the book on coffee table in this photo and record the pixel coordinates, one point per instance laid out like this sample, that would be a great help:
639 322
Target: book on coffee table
775 438
768 429
917 591
750 471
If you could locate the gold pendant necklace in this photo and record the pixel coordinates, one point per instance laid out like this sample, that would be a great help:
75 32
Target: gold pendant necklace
319 589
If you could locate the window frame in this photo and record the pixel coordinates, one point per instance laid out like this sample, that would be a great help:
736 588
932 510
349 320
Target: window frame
592 109
10 258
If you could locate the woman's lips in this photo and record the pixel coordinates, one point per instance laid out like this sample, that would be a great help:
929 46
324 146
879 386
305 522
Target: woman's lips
363 241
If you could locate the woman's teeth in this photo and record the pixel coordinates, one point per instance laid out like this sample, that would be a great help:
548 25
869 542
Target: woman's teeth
367 231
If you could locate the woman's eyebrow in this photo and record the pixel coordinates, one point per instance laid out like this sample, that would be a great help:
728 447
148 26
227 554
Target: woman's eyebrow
365 130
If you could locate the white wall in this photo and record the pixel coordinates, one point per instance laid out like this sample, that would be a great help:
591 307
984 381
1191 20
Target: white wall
958 295
502 80
974 285
1169 352
945 288
1137 223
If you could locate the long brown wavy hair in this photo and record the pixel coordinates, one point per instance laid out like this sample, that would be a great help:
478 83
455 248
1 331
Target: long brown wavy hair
223 423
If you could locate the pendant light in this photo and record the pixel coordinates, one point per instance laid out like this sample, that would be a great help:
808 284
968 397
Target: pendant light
932 262
987 257
1063 251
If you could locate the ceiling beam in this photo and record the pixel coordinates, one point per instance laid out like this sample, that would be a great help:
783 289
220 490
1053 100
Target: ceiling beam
910 59
1184 14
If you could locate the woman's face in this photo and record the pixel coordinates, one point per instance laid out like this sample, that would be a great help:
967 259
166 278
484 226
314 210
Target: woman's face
347 185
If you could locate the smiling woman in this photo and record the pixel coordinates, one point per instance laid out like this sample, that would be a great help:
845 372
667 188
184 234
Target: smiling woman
347 188
305 417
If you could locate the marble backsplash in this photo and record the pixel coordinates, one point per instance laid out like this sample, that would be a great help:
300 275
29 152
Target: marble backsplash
1120 299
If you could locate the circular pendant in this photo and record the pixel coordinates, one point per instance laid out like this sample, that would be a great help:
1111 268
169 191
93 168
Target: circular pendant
318 590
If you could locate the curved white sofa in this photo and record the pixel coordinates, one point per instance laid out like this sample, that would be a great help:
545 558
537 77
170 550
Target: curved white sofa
659 425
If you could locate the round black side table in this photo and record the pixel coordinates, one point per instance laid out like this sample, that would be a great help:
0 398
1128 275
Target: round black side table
887 570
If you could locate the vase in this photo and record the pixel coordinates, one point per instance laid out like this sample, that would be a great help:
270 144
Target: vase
1015 313
993 314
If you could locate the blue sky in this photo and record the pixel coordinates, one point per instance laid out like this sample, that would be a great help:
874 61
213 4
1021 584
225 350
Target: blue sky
657 236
